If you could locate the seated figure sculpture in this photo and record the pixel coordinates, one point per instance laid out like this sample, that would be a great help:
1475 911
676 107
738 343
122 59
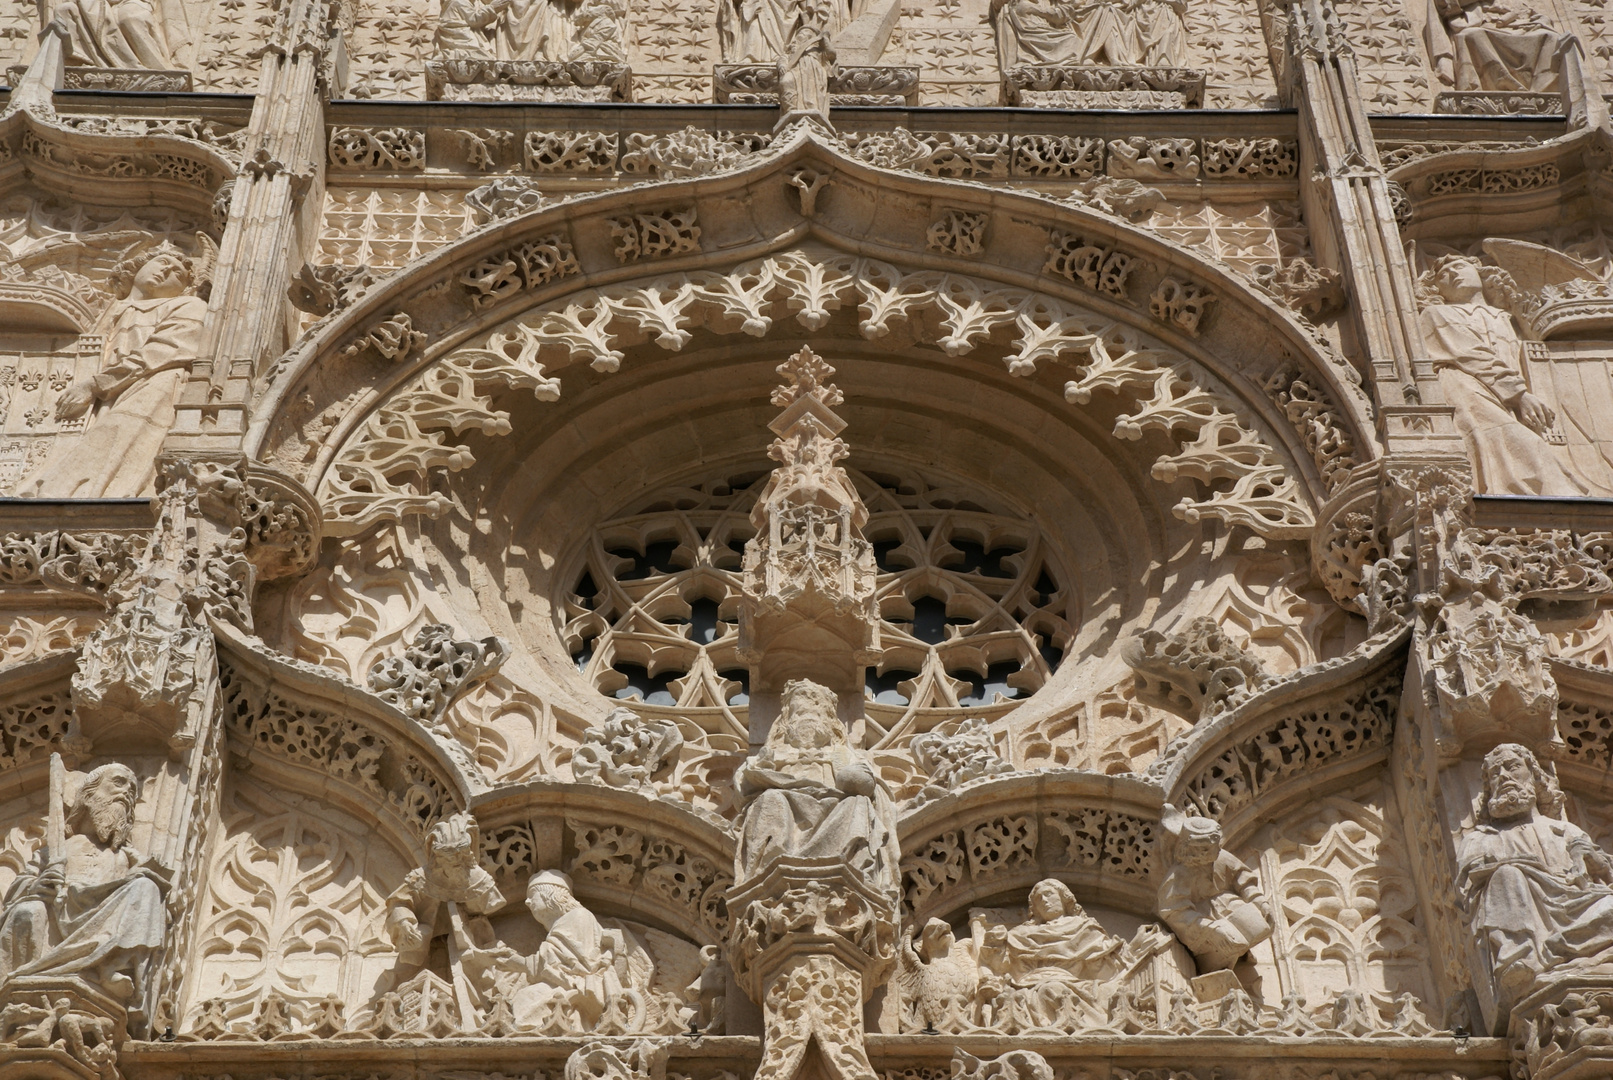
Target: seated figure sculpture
807 793
94 910
1209 898
1536 887
1057 969
451 874
1500 45
140 34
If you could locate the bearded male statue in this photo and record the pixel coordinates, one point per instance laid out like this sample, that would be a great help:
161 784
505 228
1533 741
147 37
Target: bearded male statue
95 909
807 793
1536 887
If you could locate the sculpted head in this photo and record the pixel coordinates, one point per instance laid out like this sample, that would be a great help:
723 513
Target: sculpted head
104 808
808 718
166 273
1052 899
453 847
1200 842
936 939
548 897
1515 784
1458 280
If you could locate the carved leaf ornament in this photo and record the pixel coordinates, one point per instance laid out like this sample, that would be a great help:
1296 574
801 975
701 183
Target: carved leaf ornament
384 469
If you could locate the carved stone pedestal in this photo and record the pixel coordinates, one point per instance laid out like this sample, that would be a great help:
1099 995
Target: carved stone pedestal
811 941
1563 1030
1061 86
528 80
59 1027
757 84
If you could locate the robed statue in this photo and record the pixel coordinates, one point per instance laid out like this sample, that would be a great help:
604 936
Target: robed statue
91 906
807 793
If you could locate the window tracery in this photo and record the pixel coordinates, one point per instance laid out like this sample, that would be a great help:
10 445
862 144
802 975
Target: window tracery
977 608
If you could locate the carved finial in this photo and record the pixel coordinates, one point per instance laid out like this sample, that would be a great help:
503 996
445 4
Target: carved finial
806 373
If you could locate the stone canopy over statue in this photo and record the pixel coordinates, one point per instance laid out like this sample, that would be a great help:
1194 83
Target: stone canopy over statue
807 793
92 907
1536 887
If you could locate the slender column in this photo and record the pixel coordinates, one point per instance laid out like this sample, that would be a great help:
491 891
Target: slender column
273 220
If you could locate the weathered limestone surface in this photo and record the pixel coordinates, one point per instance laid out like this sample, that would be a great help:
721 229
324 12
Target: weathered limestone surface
1112 581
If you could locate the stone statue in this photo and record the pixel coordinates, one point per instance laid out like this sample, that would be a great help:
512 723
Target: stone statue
709 993
944 989
806 62
93 909
452 874
469 29
141 34
808 794
627 751
759 31
1209 897
522 30
1501 45
1536 887
599 27
1477 353
152 338
1057 967
1105 33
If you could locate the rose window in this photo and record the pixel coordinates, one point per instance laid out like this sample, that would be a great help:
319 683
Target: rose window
976 610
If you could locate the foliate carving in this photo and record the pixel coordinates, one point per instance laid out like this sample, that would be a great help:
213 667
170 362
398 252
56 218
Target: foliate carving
378 149
1074 156
525 266
621 856
433 670
335 746
1198 671
505 197
393 338
1315 417
1142 158
691 151
816 999
479 79
1358 723
1302 286
626 751
485 148
655 236
955 753
386 473
752 296
1493 181
641 1059
325 290
1182 304
1129 200
86 563
958 233
569 151
1105 269
1251 159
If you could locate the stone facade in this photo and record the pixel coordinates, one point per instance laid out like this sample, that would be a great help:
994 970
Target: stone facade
617 540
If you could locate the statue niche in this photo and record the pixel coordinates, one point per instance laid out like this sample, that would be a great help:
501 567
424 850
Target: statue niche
530 50
1107 54
1536 887
88 917
152 336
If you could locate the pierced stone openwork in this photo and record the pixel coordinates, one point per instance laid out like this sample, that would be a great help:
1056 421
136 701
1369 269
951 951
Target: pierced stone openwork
977 608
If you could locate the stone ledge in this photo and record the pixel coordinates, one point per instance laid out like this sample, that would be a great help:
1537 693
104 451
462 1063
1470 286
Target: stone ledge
528 80
757 84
